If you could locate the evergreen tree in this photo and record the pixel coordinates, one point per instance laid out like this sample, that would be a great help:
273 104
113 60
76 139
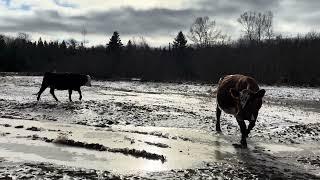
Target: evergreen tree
180 41
50 45
63 45
129 45
2 43
40 43
56 44
45 44
114 44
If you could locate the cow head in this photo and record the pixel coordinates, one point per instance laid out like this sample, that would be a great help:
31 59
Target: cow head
248 103
88 83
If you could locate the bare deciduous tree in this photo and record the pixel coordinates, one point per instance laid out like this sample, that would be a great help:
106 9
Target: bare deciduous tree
140 42
72 43
269 25
312 35
23 36
204 32
257 26
247 20
84 33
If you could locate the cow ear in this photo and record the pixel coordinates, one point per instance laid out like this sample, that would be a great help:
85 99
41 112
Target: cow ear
260 93
234 93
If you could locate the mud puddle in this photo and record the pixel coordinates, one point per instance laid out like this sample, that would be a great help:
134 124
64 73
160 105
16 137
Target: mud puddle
25 144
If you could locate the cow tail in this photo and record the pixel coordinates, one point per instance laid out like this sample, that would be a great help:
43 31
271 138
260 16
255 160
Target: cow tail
214 92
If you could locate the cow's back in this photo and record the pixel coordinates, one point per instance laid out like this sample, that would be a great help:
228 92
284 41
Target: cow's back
62 81
238 82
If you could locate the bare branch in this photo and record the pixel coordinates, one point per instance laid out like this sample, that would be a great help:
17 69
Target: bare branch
256 25
204 32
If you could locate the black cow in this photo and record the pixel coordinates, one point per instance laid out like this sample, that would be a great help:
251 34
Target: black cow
64 81
240 96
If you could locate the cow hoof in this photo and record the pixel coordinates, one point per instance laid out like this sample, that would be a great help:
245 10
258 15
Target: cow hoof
247 134
239 146
243 143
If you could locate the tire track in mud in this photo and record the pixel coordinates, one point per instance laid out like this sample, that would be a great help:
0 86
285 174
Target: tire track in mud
62 139
168 91
104 112
306 105
99 147
138 113
252 164
299 133
50 171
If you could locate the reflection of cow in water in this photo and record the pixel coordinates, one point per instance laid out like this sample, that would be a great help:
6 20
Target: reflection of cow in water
64 81
240 96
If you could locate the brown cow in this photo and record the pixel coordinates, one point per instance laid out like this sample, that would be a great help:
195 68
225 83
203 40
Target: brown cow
240 96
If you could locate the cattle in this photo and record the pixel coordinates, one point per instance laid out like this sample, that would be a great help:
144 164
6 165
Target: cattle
64 81
240 96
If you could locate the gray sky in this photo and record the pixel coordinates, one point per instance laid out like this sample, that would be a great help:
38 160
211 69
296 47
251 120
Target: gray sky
158 21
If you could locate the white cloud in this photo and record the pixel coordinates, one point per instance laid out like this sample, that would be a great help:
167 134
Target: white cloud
157 20
137 4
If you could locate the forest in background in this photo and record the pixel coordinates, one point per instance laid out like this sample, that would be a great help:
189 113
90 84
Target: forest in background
269 57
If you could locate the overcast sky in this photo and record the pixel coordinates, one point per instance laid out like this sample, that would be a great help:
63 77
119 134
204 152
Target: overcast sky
158 21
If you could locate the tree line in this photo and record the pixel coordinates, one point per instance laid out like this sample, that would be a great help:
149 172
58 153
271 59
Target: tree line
210 54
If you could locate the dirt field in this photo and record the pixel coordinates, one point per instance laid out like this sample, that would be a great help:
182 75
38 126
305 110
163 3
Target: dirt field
141 130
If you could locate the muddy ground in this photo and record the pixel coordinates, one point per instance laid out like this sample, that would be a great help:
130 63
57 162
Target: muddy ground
136 130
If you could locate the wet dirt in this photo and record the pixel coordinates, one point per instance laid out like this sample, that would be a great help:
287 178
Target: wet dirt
118 126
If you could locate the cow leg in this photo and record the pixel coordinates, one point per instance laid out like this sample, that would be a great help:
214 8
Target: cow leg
243 127
41 91
52 92
250 126
80 95
252 123
70 93
218 114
